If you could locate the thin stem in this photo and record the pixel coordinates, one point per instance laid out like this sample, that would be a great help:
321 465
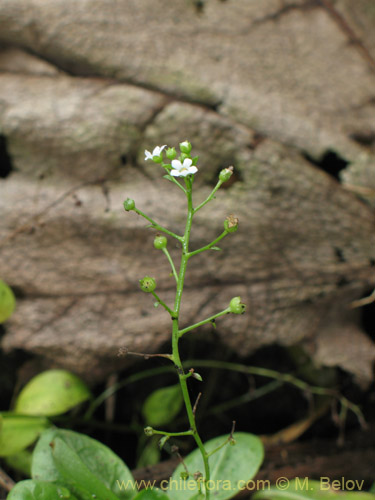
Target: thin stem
204 322
163 303
209 198
210 245
157 226
175 331
167 254
172 434
228 440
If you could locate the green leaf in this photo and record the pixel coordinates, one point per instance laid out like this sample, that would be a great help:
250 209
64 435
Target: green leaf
17 432
7 301
39 490
50 393
229 466
216 248
151 494
162 406
85 465
21 461
169 177
308 489
150 454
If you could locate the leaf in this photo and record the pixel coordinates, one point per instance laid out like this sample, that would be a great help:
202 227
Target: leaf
21 461
216 248
151 494
308 489
169 177
85 465
51 393
31 489
163 405
17 432
150 454
229 466
7 301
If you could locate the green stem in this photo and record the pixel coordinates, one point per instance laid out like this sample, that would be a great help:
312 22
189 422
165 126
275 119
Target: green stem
167 254
163 304
204 322
209 198
157 226
210 245
173 434
175 332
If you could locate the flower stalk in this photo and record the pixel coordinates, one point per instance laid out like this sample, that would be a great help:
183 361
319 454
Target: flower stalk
185 166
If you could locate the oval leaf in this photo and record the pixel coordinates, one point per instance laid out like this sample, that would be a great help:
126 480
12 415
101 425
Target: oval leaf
308 489
50 393
85 465
21 462
7 301
151 494
17 432
229 466
39 490
162 406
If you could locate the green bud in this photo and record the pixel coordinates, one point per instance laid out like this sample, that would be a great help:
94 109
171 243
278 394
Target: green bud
197 376
231 224
171 153
158 159
147 284
7 301
226 174
149 431
160 242
184 475
236 306
185 147
129 204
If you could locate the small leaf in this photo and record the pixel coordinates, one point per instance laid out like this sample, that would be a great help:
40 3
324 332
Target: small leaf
308 489
85 465
7 301
21 461
150 454
17 432
168 177
229 466
50 393
31 489
151 494
195 159
162 406
162 441
216 248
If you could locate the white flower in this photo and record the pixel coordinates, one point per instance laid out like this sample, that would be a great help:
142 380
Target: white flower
183 169
156 152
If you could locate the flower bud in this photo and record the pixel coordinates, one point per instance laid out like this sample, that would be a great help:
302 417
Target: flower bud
184 475
171 153
147 284
149 431
226 174
185 147
160 242
129 204
231 224
197 376
236 307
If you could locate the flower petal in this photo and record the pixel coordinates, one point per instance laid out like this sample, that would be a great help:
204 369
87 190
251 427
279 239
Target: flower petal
187 162
148 155
175 173
193 170
177 164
